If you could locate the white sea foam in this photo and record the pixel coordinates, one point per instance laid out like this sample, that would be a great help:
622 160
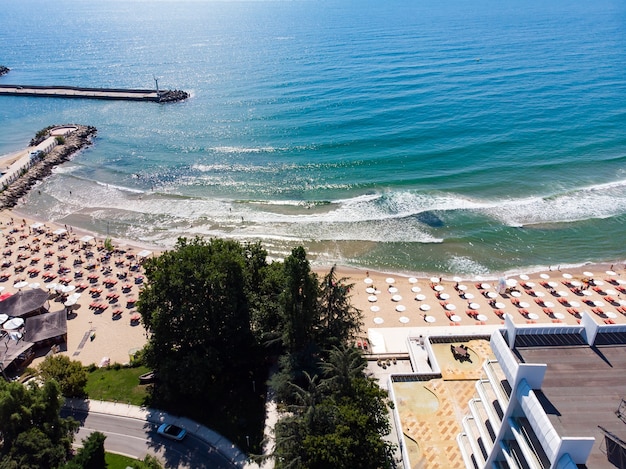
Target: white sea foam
235 149
598 201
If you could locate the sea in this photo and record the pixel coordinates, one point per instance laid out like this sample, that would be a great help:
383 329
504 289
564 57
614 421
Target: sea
420 136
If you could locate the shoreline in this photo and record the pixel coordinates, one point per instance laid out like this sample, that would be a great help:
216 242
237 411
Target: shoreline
387 298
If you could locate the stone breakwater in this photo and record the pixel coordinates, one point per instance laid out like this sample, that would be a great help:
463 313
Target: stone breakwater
73 142
170 96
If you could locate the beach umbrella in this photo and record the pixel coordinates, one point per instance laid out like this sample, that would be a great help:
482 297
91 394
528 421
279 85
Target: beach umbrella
12 324
368 281
416 289
375 308
3 318
390 280
544 276
396 298
20 285
567 276
610 272
372 298
403 319
400 308
378 320
70 302
412 280
524 277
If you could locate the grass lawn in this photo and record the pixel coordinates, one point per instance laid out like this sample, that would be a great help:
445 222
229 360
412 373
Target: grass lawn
116 461
121 385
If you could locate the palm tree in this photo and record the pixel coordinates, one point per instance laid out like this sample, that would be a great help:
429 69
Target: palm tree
344 364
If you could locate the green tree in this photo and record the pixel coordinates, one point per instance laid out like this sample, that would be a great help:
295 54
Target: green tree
339 320
91 455
266 316
338 421
299 302
32 433
70 374
196 308
343 366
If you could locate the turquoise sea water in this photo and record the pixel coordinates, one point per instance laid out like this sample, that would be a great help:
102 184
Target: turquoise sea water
426 136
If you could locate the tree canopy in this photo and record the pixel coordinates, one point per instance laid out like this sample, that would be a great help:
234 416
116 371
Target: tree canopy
218 314
197 311
32 433
338 420
70 374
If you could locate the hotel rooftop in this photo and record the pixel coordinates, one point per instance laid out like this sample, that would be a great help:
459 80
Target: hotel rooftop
522 397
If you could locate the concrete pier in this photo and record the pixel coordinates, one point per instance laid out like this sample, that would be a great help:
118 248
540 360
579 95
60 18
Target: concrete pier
93 93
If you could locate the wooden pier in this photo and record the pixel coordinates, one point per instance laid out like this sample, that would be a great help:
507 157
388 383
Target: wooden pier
159 96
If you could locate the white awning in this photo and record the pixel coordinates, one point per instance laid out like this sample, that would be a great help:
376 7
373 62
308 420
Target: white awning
377 341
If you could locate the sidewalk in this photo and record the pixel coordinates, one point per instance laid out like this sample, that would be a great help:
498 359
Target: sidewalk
228 449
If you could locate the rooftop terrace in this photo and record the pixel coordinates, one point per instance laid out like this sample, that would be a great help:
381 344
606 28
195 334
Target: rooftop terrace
583 388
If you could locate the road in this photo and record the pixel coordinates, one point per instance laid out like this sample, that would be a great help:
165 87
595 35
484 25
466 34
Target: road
136 438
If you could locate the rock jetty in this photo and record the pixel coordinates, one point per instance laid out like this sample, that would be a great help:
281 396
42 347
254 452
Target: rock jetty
4 70
170 96
73 142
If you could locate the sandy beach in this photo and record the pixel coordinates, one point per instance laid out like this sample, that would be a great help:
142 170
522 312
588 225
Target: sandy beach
72 266
549 297
48 256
